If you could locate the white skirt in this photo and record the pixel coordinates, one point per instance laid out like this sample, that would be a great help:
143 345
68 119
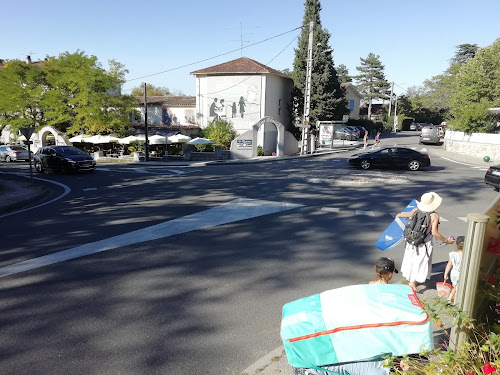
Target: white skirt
417 267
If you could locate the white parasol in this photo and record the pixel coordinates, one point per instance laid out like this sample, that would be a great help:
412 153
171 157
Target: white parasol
199 141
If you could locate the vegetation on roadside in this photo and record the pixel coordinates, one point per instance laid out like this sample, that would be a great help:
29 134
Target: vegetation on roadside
71 92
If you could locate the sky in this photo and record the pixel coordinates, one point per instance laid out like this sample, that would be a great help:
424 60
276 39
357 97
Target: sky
161 42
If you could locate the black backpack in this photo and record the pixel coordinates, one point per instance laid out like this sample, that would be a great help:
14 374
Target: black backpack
416 229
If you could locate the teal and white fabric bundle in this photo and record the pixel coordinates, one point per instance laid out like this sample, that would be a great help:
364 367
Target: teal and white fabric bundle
354 323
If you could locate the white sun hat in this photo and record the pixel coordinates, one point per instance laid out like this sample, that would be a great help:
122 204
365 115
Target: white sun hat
429 202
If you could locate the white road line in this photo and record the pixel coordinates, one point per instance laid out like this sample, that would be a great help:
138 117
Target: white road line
463 219
64 193
365 213
457 162
330 209
442 218
236 210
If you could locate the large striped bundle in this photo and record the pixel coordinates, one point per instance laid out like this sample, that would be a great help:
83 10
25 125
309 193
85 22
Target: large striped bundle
354 323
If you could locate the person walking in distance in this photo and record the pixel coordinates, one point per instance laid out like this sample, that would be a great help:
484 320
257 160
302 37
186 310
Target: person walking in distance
454 266
365 139
377 141
417 260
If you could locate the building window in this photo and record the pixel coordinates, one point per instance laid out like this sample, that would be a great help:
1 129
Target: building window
351 105
279 107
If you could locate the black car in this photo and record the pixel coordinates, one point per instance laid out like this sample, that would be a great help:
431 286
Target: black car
64 159
492 177
397 157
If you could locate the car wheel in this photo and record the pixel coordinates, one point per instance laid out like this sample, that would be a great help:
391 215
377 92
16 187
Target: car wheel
365 164
39 167
414 165
8 159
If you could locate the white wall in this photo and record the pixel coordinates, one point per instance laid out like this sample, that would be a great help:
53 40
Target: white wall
277 99
180 115
242 96
475 144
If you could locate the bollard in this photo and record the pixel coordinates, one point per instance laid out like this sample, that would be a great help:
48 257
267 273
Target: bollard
469 272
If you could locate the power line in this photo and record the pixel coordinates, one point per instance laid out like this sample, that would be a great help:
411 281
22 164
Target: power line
270 61
213 57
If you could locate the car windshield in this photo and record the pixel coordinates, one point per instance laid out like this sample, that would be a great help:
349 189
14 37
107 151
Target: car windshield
64 151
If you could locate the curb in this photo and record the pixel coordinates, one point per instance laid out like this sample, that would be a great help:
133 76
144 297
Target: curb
37 192
273 361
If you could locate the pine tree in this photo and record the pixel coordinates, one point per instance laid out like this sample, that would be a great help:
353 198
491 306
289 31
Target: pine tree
371 82
327 97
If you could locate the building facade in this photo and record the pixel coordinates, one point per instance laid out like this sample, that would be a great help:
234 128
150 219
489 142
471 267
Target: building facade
242 91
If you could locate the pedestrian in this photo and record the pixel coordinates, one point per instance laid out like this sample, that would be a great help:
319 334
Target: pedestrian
384 269
365 139
417 260
454 266
377 140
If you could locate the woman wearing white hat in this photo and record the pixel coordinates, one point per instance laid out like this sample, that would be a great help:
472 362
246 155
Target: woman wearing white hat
417 260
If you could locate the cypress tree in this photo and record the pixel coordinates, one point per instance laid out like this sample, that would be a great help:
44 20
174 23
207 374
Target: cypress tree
327 97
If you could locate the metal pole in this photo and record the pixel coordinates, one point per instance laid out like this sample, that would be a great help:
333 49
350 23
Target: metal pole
307 92
469 274
390 99
396 115
146 147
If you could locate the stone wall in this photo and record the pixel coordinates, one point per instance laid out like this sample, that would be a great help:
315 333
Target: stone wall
475 144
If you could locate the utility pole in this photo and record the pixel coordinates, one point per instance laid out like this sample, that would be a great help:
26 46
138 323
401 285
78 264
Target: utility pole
146 148
390 99
307 92
396 115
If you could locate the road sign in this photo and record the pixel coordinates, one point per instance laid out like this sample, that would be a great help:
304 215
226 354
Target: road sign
27 132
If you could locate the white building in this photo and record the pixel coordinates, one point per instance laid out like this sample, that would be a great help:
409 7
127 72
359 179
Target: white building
353 98
242 91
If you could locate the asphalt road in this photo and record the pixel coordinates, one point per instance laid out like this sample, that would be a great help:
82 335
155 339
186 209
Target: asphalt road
201 294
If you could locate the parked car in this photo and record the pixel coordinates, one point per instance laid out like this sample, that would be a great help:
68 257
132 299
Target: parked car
432 134
355 130
413 126
64 159
13 153
362 131
344 133
396 157
492 177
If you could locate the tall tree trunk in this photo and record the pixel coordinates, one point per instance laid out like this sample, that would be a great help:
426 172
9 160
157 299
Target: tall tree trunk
370 109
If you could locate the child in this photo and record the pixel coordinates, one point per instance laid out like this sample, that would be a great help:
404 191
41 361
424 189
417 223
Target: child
384 269
454 265
377 141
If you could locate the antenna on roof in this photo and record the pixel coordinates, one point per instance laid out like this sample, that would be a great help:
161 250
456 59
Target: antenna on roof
241 37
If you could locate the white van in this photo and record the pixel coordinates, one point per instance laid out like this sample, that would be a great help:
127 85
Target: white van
432 134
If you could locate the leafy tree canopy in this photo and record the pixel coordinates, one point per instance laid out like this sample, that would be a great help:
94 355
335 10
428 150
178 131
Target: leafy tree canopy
221 132
327 97
464 52
151 90
477 88
71 92
371 82
343 74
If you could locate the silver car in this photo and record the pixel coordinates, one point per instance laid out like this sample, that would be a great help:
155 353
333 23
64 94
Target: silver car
13 153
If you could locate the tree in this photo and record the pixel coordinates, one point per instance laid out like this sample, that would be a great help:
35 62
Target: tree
327 97
371 81
23 87
343 74
221 132
71 92
464 53
151 89
477 88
